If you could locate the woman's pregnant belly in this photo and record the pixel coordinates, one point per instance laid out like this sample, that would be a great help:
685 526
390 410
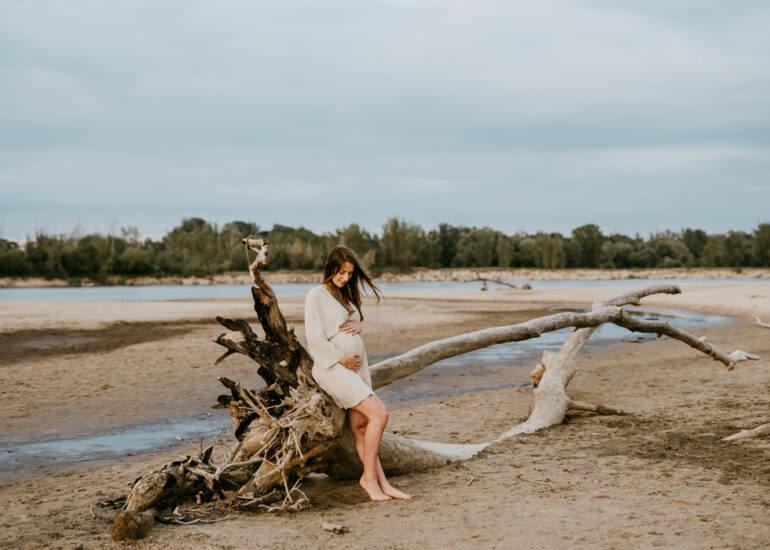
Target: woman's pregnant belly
348 343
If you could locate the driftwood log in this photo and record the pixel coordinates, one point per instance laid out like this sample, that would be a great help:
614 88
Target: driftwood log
291 427
496 281
761 323
759 431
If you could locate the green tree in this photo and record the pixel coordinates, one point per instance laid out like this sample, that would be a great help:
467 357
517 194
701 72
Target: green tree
615 251
231 237
523 250
643 257
45 255
87 256
548 251
135 261
506 250
588 240
191 249
430 250
477 248
670 251
714 252
695 240
736 249
400 244
299 248
13 261
761 244
448 237
361 241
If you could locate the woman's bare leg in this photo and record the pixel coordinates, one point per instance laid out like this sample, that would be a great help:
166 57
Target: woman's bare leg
358 424
376 417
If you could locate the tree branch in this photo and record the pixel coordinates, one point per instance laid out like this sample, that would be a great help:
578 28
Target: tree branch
759 431
590 407
701 344
609 311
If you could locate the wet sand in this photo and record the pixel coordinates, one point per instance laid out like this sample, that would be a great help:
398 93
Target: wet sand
659 477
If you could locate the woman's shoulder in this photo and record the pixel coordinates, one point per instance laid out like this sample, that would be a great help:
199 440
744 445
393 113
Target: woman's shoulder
317 291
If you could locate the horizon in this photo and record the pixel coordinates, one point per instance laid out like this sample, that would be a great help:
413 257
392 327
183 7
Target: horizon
77 232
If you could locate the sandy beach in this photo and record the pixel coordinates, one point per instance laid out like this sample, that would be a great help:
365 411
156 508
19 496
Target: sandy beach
659 477
422 275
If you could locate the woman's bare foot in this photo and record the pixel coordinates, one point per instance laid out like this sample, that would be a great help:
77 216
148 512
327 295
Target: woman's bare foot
391 491
373 489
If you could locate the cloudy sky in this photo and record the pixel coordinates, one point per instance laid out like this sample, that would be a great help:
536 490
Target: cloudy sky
515 115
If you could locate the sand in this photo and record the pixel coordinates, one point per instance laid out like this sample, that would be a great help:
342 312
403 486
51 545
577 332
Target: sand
660 477
422 274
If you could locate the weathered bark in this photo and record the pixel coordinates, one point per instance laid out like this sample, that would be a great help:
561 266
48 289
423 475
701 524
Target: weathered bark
166 486
291 427
591 407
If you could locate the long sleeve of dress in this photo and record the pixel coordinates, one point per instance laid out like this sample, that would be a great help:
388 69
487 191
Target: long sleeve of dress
318 330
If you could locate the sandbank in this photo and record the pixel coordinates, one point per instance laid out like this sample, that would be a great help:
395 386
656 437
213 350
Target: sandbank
659 477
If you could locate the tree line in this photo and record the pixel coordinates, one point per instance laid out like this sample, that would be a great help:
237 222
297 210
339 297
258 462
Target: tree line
197 247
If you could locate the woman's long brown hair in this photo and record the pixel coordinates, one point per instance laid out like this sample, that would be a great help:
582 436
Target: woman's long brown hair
350 294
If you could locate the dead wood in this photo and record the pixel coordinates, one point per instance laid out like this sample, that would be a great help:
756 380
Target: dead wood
496 281
759 431
610 311
590 407
291 428
334 528
132 525
537 373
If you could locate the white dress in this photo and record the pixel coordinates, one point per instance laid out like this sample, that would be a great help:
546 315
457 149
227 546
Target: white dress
327 345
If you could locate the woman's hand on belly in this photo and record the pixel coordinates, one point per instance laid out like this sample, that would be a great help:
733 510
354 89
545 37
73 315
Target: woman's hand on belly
351 361
350 327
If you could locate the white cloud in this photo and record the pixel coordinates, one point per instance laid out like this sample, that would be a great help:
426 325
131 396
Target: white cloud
483 113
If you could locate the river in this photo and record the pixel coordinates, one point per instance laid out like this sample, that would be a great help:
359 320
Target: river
198 292
500 366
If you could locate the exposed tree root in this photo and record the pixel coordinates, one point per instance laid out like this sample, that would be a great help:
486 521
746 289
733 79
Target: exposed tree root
590 407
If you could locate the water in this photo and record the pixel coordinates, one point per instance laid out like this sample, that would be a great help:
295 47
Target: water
197 292
46 456
500 366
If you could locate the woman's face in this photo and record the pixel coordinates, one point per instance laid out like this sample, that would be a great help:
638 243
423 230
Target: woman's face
343 275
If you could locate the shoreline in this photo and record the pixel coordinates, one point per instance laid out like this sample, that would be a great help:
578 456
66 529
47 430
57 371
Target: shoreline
70 450
416 275
657 477
62 341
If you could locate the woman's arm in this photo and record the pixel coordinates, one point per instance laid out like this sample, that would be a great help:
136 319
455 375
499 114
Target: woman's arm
324 353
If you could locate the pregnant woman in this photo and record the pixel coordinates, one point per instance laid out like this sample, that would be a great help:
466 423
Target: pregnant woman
332 327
